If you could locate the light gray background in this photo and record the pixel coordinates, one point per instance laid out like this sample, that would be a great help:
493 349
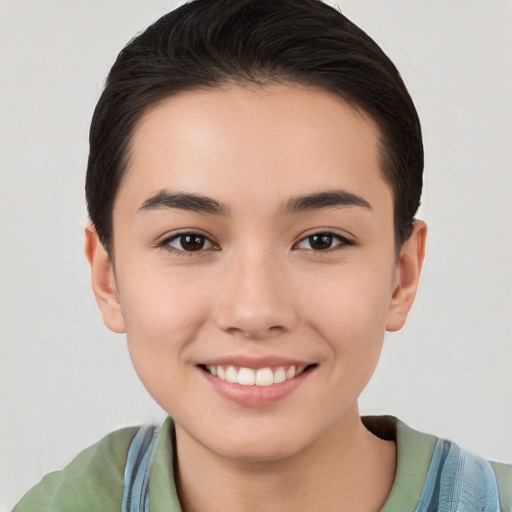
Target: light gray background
65 381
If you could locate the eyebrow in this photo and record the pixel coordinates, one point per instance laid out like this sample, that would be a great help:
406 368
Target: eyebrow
203 204
326 199
184 201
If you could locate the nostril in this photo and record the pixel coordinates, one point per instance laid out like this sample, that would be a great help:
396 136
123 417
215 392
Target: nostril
256 331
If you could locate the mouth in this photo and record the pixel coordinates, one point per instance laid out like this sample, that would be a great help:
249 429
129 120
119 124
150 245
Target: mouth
259 377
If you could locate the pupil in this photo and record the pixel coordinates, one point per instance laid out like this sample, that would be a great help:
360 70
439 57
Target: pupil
192 242
320 242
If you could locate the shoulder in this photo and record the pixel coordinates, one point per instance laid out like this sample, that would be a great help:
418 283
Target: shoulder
94 480
456 475
435 474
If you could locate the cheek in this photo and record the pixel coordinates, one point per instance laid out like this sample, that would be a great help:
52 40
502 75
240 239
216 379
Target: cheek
163 317
163 312
350 309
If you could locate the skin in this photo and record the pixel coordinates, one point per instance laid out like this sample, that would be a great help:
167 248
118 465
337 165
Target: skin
259 287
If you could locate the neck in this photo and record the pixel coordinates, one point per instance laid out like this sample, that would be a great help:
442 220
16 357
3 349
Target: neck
348 468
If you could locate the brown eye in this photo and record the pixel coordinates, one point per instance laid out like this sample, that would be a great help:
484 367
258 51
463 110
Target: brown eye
189 242
322 242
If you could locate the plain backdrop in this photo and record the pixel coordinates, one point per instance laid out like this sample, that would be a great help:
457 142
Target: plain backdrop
65 381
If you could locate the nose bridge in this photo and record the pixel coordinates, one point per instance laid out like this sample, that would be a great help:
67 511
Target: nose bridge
255 301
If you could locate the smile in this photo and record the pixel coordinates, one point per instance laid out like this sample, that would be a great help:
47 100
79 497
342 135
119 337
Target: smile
255 377
256 383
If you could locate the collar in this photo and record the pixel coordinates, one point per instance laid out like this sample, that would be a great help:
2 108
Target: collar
414 452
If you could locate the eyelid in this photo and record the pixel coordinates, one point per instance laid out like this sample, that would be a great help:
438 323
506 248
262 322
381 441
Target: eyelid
165 241
343 240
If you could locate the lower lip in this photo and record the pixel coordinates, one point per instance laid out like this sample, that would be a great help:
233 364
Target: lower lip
255 396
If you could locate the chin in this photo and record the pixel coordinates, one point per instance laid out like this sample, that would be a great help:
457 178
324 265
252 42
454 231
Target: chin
254 443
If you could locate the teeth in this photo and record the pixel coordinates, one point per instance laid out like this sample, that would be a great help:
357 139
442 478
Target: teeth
246 376
260 377
231 375
279 375
264 377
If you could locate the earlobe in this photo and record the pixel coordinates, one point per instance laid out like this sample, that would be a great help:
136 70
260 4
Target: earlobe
408 275
103 281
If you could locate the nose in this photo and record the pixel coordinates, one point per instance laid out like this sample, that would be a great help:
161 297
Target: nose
255 299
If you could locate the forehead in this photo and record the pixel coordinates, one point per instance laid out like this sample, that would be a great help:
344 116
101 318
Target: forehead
243 144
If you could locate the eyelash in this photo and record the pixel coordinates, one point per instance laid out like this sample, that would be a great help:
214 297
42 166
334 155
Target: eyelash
166 243
342 241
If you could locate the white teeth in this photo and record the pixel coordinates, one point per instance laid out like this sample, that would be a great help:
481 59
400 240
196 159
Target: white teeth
279 375
231 375
247 377
260 377
264 377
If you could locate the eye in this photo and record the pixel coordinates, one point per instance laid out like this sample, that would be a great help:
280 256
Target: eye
322 242
188 242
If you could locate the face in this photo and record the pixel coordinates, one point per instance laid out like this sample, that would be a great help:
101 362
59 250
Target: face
255 271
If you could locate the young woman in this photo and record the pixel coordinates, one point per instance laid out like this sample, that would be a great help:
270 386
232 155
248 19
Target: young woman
255 169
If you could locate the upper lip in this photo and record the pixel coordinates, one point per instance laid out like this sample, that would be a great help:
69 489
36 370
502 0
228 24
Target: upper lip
246 361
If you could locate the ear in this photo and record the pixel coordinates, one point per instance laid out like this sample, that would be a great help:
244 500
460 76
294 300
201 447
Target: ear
408 274
103 281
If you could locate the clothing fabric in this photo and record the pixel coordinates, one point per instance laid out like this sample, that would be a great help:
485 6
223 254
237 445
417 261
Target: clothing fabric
132 470
137 471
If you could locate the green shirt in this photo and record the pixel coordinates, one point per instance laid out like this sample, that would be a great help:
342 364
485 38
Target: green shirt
94 480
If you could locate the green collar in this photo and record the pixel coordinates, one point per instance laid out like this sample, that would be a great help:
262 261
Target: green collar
414 451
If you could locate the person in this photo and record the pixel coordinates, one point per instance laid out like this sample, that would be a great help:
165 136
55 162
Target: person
254 173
